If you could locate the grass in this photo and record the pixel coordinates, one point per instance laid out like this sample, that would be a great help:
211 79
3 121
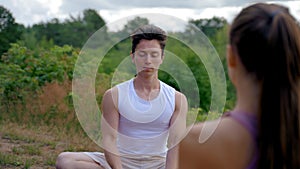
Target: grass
27 149
17 138
50 161
9 160
38 147
35 130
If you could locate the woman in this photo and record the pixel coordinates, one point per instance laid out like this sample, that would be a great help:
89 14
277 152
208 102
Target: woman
262 131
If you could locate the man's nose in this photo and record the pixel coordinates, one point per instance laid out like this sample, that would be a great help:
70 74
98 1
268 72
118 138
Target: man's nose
148 58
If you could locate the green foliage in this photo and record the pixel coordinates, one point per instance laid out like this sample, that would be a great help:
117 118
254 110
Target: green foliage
134 24
115 56
74 31
92 20
29 40
198 69
209 27
22 68
9 30
23 71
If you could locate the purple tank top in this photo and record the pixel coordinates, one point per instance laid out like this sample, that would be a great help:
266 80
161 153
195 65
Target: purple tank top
250 123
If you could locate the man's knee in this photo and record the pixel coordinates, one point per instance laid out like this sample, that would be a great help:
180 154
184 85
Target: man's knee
63 159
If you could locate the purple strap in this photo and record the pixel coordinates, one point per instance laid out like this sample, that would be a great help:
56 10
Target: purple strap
250 123
246 120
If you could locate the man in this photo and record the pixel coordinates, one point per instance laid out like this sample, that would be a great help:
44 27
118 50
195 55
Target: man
141 116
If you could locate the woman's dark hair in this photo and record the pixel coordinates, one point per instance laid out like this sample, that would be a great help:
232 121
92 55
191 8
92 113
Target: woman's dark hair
267 39
148 32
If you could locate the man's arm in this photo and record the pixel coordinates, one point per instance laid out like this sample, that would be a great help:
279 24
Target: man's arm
109 127
177 130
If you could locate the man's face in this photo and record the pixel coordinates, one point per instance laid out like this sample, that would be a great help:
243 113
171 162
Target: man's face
148 56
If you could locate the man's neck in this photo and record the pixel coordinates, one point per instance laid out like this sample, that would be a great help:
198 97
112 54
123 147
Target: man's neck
147 87
146 82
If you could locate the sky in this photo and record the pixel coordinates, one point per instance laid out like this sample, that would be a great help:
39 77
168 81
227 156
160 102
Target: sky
29 12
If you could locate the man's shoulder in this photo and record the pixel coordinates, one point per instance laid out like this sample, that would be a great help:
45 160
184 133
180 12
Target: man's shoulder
167 86
111 94
124 83
172 88
179 94
121 86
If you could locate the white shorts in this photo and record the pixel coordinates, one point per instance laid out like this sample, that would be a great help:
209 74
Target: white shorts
130 162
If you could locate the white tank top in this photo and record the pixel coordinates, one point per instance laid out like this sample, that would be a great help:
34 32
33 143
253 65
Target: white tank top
143 125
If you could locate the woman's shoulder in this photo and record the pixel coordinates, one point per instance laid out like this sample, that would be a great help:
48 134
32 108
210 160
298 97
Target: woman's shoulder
220 143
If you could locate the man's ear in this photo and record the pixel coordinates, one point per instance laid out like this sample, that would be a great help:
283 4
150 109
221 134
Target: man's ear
132 57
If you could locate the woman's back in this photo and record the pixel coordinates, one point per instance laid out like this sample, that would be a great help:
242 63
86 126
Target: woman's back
231 146
263 60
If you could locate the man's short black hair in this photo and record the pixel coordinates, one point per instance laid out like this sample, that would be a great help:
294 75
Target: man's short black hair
148 32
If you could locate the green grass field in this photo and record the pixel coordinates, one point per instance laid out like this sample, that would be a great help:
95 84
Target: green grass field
37 147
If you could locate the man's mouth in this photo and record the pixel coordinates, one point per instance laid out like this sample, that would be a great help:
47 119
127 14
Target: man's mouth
148 69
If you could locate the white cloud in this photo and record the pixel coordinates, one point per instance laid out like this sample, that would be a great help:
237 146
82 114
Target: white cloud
226 12
34 11
122 16
294 7
186 14
68 5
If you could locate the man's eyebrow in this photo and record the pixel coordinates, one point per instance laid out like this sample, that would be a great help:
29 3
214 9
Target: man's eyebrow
150 49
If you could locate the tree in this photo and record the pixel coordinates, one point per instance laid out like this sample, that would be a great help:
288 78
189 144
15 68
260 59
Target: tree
10 31
209 26
92 20
134 24
74 31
